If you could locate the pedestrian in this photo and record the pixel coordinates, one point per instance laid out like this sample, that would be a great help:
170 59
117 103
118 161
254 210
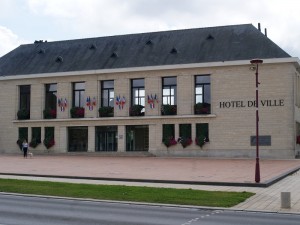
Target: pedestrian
25 148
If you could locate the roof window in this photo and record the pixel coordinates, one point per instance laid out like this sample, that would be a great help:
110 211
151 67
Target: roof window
93 47
174 51
41 51
59 59
210 37
149 42
114 55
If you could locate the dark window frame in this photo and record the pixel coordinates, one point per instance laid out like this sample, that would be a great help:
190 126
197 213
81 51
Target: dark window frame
106 101
48 94
139 89
80 92
169 87
204 86
25 93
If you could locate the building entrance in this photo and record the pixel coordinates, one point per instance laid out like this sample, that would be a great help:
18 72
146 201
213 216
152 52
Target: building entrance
106 138
137 138
78 139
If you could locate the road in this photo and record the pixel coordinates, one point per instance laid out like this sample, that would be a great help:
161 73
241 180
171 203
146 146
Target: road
25 210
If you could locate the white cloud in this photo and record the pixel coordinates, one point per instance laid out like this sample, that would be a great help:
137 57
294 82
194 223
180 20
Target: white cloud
9 40
70 19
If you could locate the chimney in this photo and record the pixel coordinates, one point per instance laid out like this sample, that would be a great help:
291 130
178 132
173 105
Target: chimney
266 32
259 27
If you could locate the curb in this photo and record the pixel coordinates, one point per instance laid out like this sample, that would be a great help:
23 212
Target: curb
213 183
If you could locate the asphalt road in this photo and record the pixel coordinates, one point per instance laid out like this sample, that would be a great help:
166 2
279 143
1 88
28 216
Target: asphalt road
24 210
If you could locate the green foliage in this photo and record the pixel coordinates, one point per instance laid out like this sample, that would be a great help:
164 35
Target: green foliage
23 114
200 140
136 110
202 108
106 111
77 112
185 135
49 137
169 109
49 113
201 134
36 137
126 193
168 135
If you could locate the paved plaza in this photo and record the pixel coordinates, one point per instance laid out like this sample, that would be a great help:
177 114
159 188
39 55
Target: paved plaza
216 174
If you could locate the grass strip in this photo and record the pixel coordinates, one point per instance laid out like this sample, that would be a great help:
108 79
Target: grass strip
126 193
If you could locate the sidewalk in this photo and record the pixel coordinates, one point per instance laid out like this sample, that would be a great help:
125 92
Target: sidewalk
166 172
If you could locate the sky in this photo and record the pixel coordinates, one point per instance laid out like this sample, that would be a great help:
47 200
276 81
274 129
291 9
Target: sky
24 21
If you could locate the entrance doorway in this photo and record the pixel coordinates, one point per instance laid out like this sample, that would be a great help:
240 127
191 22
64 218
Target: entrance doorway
106 138
78 139
137 138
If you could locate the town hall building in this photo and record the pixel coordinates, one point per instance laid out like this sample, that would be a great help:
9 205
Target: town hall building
170 93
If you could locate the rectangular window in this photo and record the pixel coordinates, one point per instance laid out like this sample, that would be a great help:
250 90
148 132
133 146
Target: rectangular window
202 133
169 135
78 139
50 101
169 96
24 102
107 93
138 92
185 135
185 130
35 137
137 97
78 94
169 90
22 135
202 94
49 137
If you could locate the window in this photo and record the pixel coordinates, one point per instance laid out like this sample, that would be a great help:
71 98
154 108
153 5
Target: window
24 104
22 135
202 89
169 96
138 92
107 93
202 94
35 136
137 138
78 139
78 94
50 101
49 137
169 91
185 134
137 97
51 96
169 135
202 134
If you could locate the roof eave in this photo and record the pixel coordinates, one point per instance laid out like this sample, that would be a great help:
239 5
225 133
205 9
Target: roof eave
294 60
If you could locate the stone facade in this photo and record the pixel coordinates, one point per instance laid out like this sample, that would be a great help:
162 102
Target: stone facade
231 121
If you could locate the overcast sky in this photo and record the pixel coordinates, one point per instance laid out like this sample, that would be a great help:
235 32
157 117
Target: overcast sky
24 21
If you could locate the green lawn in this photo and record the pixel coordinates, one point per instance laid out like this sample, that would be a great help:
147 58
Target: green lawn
126 193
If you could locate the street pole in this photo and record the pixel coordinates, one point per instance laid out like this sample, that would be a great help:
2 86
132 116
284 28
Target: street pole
256 62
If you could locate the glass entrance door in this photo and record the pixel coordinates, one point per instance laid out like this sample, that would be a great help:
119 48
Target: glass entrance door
106 138
137 138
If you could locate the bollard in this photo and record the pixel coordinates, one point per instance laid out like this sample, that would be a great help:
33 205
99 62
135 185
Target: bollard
286 200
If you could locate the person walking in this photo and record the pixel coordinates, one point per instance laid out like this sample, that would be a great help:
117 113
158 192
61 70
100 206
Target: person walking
25 148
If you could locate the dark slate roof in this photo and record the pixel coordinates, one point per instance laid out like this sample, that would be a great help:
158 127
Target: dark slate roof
213 44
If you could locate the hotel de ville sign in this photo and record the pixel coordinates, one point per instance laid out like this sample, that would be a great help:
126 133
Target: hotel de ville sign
248 104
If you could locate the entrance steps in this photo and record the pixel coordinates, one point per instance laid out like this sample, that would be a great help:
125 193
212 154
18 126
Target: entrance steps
117 154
